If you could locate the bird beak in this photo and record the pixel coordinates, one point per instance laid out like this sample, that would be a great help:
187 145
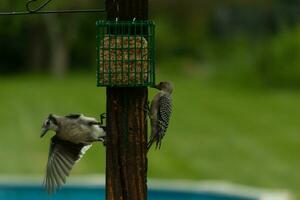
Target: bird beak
44 131
156 86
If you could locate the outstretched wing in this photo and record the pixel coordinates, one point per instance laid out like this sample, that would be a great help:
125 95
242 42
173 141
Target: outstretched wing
62 157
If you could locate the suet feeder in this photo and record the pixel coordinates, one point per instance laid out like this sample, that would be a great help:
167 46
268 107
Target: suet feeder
125 53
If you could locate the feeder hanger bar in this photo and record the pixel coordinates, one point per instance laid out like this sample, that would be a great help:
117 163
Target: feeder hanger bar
38 10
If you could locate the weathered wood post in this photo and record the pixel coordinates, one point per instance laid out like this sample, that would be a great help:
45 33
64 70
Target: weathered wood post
126 152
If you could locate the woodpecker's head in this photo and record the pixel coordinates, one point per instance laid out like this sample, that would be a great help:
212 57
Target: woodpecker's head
49 124
165 86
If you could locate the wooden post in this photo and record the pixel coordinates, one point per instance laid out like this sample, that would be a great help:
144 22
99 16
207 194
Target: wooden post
126 148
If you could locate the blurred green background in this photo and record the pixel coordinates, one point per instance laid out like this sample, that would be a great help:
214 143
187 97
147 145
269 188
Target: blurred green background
235 65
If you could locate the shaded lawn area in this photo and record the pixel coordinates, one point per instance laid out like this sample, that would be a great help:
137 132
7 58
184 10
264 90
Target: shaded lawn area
247 136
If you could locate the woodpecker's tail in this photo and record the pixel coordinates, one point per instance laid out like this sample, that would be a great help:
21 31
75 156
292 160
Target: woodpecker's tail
157 140
149 144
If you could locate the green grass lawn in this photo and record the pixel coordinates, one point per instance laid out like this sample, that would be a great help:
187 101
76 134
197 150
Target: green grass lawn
247 136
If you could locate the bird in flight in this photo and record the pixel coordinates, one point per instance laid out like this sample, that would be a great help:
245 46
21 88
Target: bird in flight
74 135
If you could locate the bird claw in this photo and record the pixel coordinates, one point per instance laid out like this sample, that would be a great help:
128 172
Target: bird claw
102 117
148 107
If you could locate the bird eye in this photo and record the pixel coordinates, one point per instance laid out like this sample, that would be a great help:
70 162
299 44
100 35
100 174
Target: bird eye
48 123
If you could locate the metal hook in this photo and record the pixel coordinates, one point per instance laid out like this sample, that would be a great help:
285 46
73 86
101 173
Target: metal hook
38 8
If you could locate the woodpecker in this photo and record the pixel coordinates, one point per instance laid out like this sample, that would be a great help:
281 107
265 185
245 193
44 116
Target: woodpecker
75 134
160 112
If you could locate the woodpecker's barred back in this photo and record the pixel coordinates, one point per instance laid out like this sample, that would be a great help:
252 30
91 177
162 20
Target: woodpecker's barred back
160 113
165 110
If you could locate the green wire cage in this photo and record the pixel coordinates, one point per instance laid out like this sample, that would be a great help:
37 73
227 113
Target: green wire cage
125 53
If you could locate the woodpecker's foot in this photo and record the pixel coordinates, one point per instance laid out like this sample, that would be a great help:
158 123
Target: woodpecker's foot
146 109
